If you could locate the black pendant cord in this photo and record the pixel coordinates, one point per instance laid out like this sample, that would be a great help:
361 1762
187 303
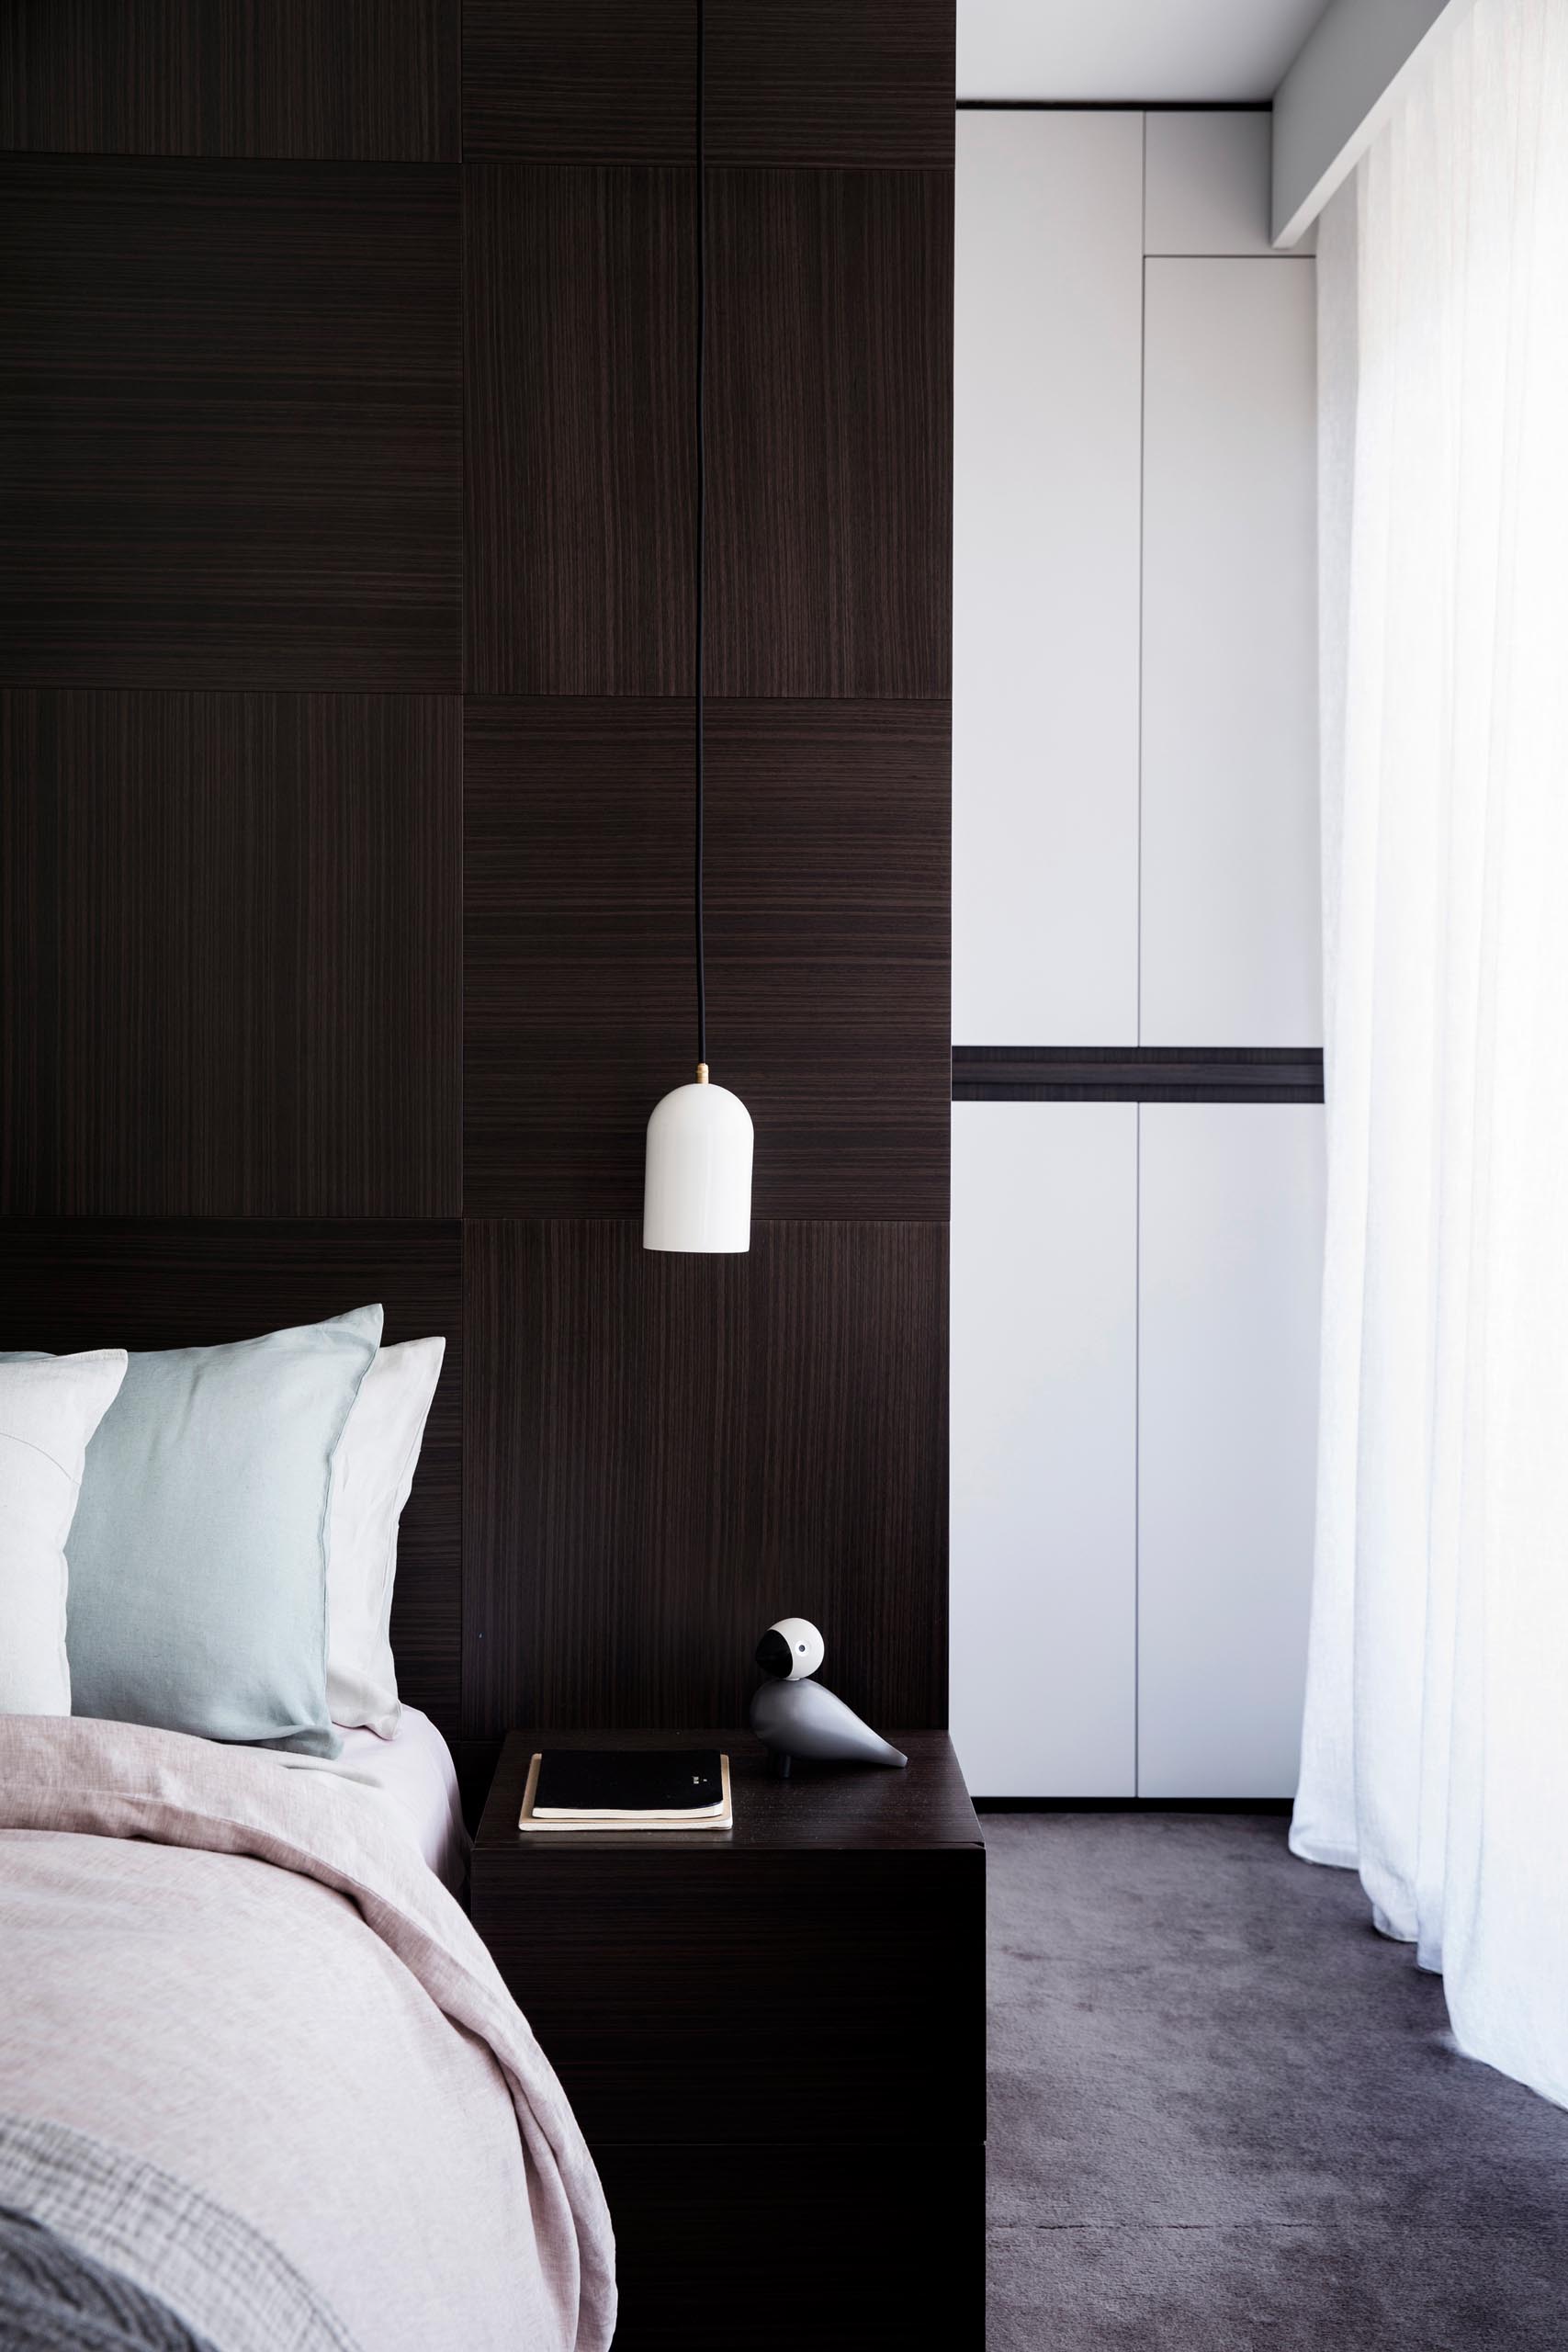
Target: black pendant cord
702 516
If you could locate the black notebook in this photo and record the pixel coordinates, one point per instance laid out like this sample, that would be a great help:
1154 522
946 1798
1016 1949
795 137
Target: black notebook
629 1785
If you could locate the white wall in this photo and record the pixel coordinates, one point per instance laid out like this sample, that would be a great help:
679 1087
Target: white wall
1343 84
1136 863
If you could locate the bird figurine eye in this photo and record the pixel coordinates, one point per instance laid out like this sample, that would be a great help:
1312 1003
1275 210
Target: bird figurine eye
790 1650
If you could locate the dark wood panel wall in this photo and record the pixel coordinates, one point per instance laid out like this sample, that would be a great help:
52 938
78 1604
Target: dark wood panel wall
347 631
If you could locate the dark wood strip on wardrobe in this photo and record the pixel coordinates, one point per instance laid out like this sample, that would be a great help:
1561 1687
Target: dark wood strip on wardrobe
375 80
830 433
1137 1074
664 1453
117 1282
815 84
230 955
826 893
581 388
230 427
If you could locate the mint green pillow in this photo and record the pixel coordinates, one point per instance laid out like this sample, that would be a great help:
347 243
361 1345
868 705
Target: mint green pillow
197 1596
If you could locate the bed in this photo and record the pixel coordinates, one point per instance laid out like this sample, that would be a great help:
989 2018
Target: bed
254 2060
262 2088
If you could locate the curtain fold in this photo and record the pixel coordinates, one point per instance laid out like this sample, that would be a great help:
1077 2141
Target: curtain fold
1435 1751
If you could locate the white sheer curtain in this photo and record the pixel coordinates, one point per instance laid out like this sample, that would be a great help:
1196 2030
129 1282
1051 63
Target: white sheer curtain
1436 1744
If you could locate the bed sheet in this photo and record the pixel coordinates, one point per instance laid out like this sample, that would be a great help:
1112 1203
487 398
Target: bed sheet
412 1773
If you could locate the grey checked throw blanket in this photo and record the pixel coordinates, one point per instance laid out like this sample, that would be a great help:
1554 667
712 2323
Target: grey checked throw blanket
103 2252
53 2299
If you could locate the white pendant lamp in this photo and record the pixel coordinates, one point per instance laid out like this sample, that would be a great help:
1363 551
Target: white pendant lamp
697 1187
697 1178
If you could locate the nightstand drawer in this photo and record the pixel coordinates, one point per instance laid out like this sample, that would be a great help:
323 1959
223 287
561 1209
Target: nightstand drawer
711 1997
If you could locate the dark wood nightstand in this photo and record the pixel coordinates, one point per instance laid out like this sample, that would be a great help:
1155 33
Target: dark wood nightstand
774 2040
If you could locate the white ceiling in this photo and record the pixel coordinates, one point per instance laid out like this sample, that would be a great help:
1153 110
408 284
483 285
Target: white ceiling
1186 50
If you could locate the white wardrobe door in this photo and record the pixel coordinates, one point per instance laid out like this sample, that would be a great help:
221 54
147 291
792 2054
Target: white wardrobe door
1044 1226
1046 393
1230 1263
1229 830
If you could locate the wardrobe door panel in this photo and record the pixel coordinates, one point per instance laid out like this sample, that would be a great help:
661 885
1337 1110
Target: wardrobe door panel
1230 936
1045 1381
1230 1251
1045 579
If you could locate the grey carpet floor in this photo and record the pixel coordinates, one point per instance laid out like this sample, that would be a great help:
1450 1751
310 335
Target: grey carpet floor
1224 2112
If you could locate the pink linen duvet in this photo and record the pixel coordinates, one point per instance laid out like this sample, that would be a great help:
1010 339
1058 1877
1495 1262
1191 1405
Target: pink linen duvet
245 1979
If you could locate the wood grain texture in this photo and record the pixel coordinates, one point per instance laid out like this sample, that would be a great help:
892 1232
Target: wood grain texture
844 1918
230 977
665 1454
614 82
579 80
799 2000
240 353
826 897
86 1283
848 1970
821 84
230 425
580 389
354 80
823 1808
830 433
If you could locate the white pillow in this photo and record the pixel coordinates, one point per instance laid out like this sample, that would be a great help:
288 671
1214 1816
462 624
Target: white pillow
50 1406
372 1476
